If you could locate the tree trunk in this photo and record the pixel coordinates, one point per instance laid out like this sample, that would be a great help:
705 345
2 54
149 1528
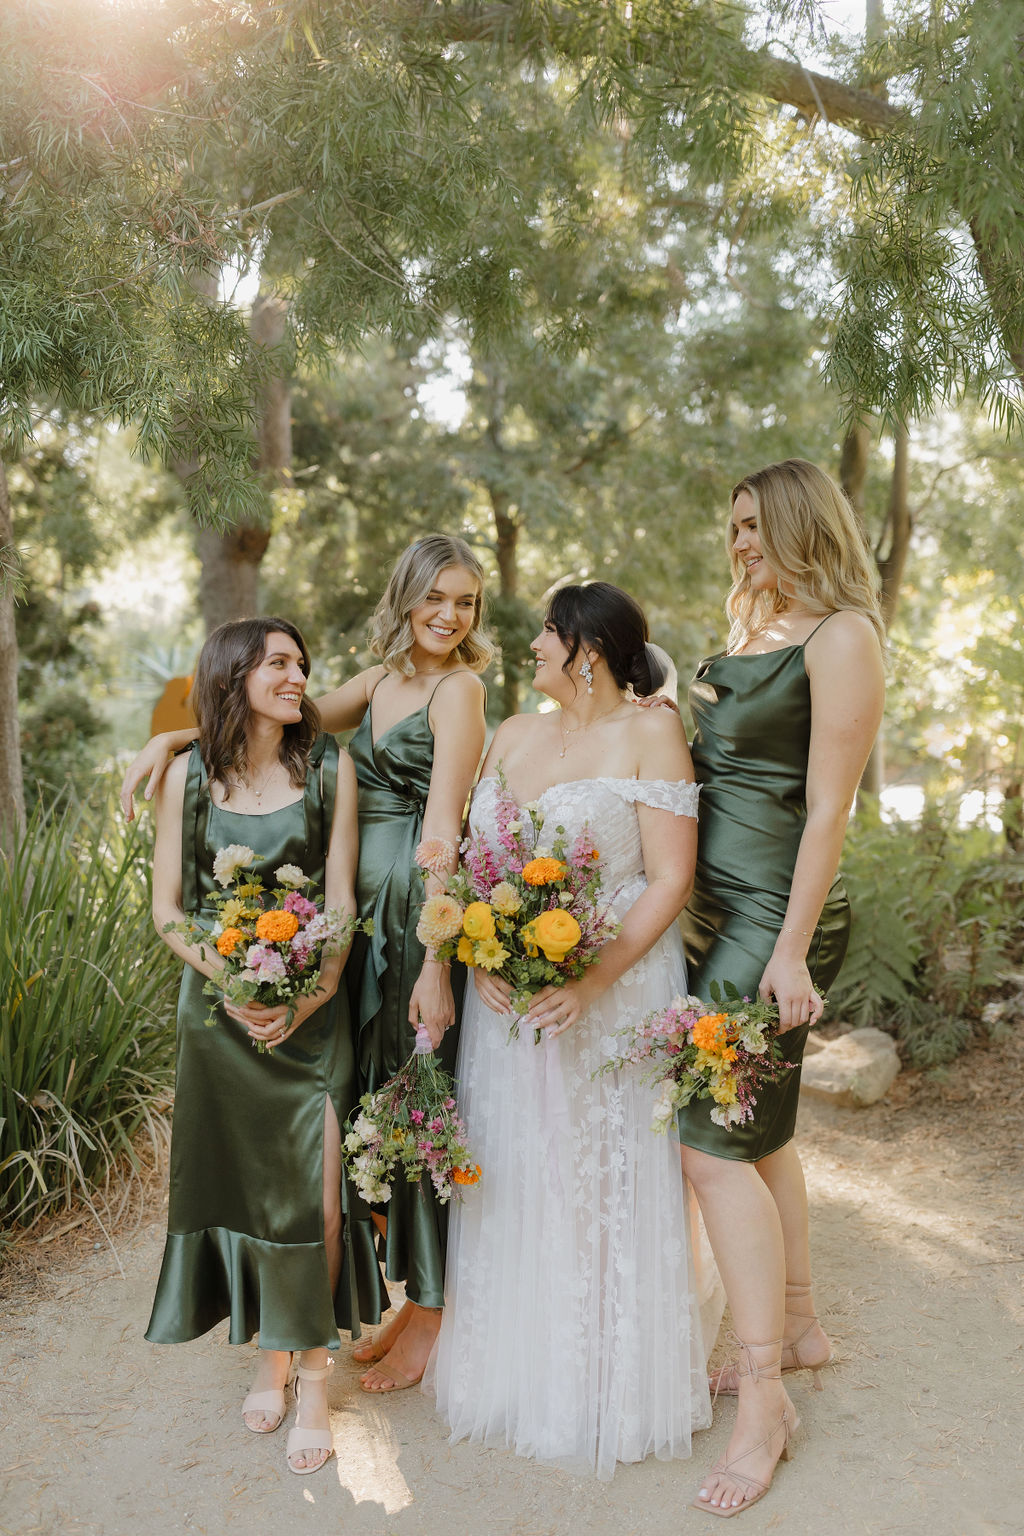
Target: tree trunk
853 463
898 527
507 530
230 561
12 795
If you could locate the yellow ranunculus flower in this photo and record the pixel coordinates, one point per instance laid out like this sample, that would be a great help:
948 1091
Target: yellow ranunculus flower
478 921
465 951
724 1091
529 936
556 932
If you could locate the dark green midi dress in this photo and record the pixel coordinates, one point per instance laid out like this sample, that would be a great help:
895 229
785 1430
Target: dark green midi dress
394 781
245 1236
753 728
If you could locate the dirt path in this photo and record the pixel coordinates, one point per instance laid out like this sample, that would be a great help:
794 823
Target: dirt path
919 1245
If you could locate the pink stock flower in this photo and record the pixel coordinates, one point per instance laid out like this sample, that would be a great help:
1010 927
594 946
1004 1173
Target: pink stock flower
303 908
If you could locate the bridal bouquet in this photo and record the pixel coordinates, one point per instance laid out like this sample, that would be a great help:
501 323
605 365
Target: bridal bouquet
410 1123
693 1052
272 942
530 913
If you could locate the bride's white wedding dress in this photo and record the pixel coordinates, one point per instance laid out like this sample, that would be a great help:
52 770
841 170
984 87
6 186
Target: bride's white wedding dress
571 1328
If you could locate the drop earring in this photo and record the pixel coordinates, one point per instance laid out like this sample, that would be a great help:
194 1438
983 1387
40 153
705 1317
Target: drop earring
587 674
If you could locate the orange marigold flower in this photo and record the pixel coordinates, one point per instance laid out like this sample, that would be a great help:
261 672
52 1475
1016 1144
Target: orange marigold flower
543 871
228 939
277 927
467 1175
709 1032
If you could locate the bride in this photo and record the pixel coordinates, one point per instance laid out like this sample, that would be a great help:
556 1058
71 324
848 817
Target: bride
571 1328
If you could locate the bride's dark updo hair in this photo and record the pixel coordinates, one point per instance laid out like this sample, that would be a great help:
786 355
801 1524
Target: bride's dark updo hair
600 615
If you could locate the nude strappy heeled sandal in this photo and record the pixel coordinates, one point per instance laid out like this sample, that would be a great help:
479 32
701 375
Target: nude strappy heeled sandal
754 1489
302 1439
725 1381
269 1402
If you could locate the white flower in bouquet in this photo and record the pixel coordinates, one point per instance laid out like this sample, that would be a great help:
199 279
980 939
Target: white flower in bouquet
726 1115
364 1128
352 1142
664 1106
228 861
291 876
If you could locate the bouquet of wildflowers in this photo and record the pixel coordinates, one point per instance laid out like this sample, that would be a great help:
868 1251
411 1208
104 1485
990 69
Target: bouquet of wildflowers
530 913
693 1052
410 1123
272 942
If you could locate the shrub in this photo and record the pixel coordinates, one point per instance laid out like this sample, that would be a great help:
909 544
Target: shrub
87 992
937 916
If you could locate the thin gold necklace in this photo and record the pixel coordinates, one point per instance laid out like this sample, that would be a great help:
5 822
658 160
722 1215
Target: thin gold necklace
572 729
251 788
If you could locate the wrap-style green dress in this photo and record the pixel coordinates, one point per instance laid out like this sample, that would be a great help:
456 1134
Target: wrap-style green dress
245 1236
393 774
752 715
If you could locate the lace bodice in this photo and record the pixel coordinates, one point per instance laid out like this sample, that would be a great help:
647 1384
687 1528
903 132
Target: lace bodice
607 806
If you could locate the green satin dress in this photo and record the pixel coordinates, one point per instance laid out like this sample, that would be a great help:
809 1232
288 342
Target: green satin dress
245 1236
753 728
394 780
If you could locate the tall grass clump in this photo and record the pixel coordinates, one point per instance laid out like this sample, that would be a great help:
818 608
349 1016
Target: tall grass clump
87 996
938 920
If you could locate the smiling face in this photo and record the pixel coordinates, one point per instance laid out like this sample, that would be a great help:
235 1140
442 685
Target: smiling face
275 686
550 653
746 545
443 620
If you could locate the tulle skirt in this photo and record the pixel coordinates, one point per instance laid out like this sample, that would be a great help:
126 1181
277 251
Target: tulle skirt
572 1327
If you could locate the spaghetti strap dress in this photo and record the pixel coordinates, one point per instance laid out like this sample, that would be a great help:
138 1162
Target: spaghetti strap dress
245 1238
752 715
393 775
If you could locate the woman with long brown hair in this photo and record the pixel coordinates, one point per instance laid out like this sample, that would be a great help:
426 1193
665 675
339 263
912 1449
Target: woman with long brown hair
419 734
255 1222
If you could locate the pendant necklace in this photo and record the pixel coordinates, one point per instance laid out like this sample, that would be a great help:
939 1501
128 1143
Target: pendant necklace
572 729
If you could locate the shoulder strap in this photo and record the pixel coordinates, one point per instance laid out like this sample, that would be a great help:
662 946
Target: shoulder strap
196 790
459 672
820 622
321 788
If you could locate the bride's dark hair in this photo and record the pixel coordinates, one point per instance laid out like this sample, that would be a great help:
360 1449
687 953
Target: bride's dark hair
221 702
598 614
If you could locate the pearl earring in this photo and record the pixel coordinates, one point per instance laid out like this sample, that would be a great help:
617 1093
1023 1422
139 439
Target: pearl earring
587 674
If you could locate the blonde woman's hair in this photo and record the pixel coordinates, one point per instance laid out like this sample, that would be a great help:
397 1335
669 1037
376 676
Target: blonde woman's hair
812 537
410 584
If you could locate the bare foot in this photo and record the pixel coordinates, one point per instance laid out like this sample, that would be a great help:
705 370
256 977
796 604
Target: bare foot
369 1351
405 1363
764 1422
271 1376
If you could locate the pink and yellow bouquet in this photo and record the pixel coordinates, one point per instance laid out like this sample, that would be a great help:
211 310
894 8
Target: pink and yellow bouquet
529 913
272 942
724 1053
409 1124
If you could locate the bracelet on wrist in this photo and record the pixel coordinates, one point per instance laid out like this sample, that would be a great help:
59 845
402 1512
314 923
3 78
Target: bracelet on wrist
805 933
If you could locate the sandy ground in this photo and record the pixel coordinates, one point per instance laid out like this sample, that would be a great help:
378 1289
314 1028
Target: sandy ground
919 1249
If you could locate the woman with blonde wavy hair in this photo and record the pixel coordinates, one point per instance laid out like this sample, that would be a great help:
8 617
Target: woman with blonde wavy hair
419 735
785 719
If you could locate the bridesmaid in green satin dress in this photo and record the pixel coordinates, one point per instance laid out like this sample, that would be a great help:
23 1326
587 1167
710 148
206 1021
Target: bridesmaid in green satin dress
255 1220
416 753
785 719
